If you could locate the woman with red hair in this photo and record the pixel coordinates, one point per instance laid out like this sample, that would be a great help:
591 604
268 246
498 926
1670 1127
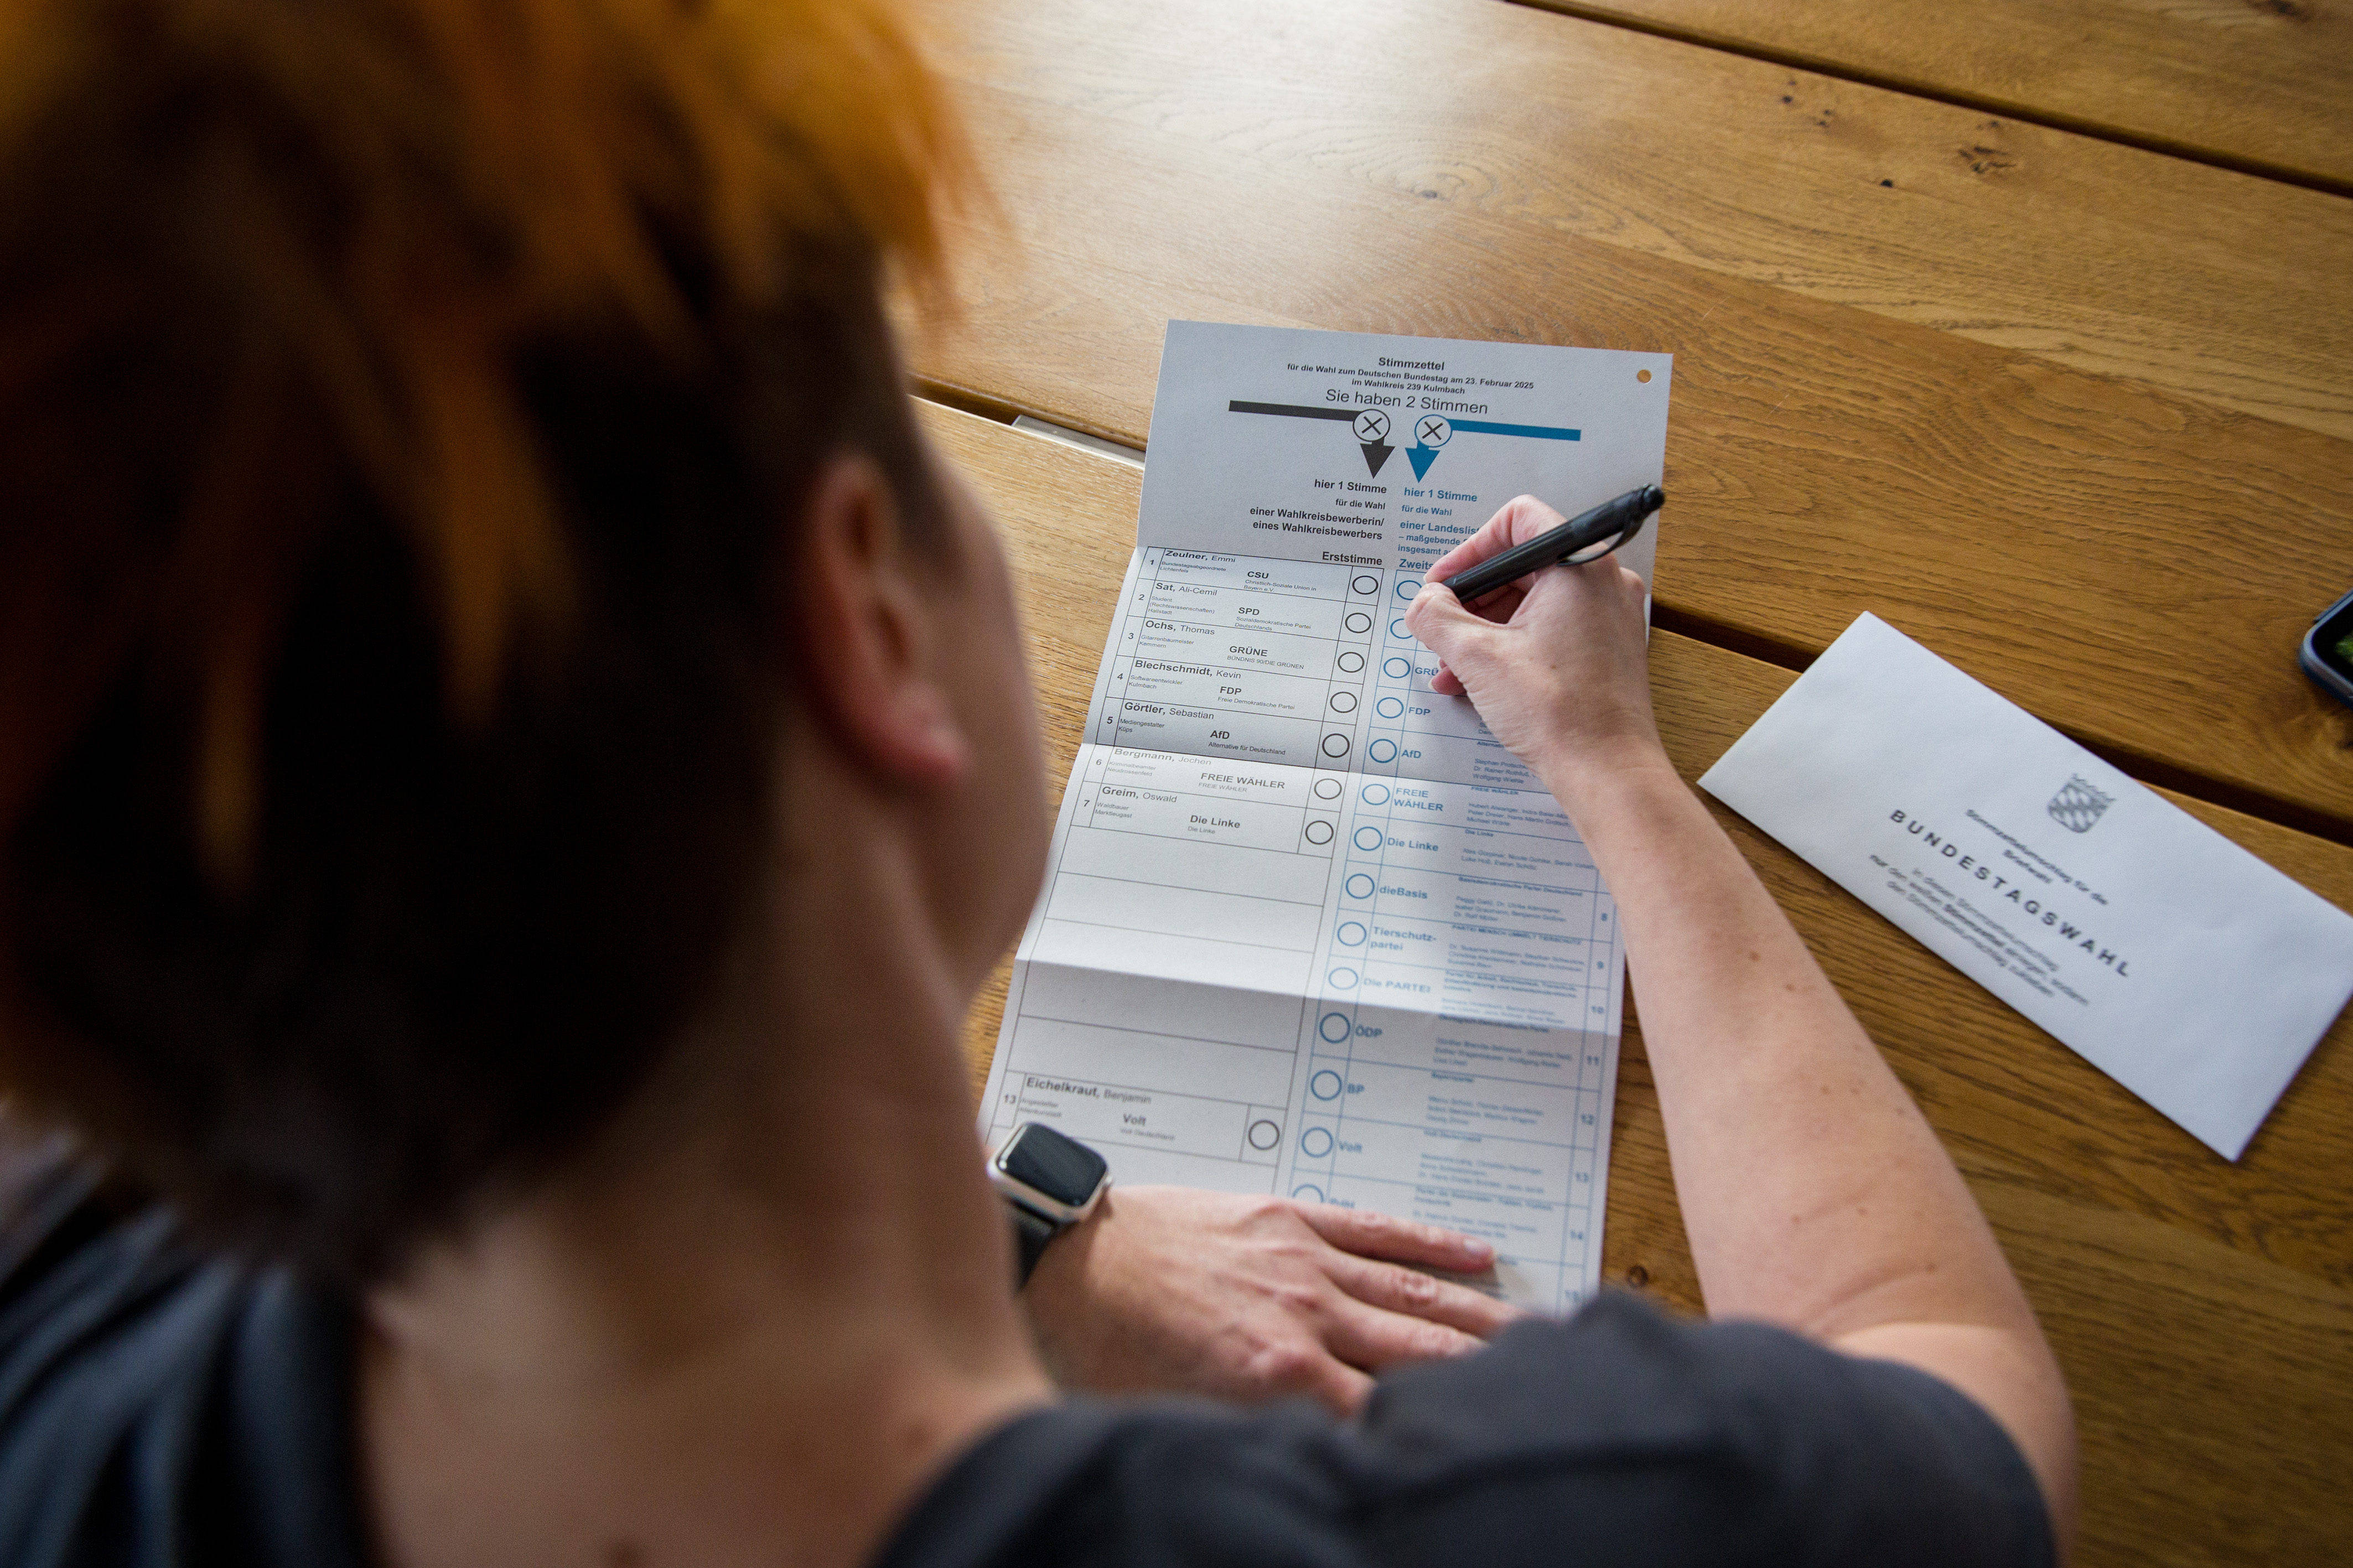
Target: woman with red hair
514 759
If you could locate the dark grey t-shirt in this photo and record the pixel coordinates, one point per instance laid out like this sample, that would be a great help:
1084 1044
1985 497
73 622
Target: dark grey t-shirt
160 1406
1620 1436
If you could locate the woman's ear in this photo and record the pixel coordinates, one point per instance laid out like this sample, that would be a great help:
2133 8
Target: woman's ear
868 631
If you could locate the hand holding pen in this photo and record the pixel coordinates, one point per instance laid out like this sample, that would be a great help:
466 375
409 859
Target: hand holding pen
1589 536
1556 662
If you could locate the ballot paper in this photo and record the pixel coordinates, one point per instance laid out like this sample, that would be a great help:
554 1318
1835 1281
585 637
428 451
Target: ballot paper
2172 960
1307 927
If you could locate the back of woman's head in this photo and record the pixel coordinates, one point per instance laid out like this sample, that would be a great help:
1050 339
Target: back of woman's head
403 405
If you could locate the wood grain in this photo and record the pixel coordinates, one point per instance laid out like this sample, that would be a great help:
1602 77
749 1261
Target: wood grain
2133 565
2259 84
2213 285
2203 1311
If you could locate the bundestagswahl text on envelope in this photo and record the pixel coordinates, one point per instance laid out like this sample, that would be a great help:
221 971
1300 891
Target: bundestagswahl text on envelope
2185 968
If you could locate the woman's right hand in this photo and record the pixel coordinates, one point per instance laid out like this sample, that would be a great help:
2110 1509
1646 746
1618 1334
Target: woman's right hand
1558 664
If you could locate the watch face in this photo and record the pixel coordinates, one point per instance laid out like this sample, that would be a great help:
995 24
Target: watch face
1046 1161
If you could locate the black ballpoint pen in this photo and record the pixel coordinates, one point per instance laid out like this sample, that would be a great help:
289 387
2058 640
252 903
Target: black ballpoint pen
1623 516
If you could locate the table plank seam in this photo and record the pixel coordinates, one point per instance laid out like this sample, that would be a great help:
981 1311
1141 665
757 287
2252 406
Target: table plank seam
1985 103
2146 767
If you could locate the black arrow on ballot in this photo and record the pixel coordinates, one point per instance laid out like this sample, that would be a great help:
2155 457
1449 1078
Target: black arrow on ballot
1370 422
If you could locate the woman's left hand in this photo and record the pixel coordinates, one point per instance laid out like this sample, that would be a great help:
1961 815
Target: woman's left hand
1173 1289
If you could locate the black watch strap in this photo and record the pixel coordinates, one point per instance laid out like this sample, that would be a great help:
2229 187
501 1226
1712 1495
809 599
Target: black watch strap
1031 1232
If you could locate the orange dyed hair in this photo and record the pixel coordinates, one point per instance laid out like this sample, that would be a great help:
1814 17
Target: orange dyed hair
403 406
513 166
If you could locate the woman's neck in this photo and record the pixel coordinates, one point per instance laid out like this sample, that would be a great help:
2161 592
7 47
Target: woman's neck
752 1322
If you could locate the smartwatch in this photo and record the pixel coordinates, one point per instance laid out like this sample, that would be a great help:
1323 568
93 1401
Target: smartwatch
1050 1183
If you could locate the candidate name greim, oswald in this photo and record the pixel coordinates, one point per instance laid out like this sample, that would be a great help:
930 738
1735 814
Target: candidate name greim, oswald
1944 847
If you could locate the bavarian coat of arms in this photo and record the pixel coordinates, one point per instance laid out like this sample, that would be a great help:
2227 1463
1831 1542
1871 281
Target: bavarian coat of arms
2077 806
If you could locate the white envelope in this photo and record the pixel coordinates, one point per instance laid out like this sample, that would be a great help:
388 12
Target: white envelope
2182 966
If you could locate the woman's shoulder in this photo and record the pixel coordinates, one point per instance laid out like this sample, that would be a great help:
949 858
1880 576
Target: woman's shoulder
157 1404
1619 1431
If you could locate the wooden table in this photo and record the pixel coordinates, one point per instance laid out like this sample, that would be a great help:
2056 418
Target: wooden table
2075 412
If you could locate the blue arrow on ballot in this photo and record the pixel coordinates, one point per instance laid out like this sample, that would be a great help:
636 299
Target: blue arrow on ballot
1433 431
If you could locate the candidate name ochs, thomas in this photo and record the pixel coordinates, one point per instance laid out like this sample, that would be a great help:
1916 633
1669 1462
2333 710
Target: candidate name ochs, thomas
1944 845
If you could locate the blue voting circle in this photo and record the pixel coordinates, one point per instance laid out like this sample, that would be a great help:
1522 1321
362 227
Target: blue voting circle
1390 708
1383 751
1350 933
1343 979
1397 669
1376 795
1325 1084
1407 588
1397 630
1369 838
1360 886
1308 1190
1315 1142
1333 1028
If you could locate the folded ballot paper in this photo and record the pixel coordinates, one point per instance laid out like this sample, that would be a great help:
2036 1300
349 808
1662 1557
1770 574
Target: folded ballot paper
1307 927
2172 960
